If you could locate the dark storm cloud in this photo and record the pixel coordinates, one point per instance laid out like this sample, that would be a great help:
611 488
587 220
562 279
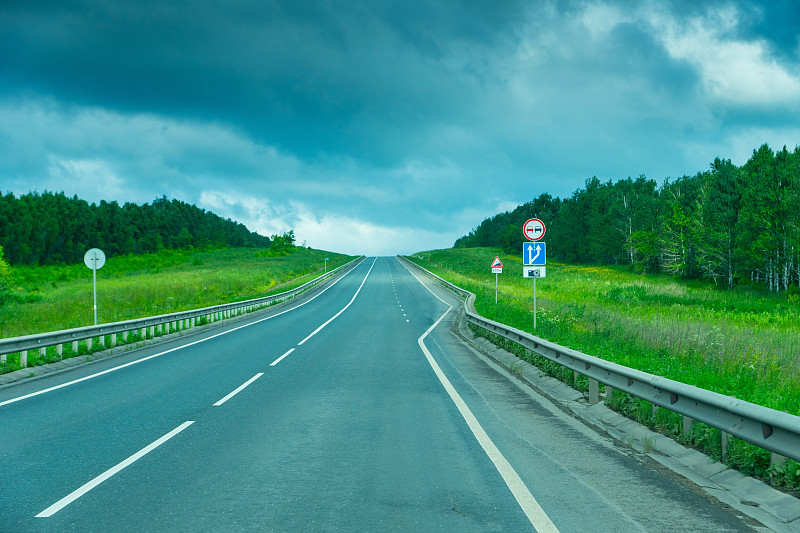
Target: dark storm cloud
303 75
409 119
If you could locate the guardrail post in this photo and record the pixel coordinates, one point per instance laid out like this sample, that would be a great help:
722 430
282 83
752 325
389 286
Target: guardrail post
609 394
23 358
113 339
101 340
43 352
654 410
152 331
686 426
724 443
75 347
193 322
124 336
60 351
776 459
89 343
594 394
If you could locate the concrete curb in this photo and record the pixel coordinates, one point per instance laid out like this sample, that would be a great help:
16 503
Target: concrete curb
778 511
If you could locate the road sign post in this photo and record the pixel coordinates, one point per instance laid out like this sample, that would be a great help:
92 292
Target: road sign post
534 254
94 259
497 269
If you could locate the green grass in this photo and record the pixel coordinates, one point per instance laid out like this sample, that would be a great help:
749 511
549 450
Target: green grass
52 298
743 343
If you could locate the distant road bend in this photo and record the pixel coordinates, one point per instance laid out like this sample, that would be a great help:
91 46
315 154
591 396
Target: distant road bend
356 408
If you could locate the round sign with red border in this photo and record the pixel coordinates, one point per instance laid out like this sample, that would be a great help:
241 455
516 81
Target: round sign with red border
533 229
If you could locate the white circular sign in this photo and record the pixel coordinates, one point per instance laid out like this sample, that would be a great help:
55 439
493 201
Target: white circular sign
533 229
94 258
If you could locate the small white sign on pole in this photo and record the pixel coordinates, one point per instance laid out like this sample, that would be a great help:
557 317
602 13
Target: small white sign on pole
94 259
497 268
534 272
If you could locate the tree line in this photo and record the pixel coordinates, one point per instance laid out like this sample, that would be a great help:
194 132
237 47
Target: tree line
51 228
729 224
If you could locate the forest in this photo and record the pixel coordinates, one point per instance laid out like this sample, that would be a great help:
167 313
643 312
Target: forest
51 228
729 225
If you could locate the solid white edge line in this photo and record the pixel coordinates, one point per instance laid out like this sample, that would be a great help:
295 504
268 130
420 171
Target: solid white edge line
331 319
536 515
279 359
63 502
73 382
238 389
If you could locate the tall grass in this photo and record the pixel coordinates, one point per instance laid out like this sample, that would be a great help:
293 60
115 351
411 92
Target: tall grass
59 297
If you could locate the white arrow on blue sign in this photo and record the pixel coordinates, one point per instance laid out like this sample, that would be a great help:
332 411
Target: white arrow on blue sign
534 254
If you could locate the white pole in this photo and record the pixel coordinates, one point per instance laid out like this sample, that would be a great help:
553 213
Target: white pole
94 284
495 288
534 304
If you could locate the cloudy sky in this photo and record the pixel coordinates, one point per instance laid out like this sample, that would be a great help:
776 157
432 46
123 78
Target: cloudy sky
383 126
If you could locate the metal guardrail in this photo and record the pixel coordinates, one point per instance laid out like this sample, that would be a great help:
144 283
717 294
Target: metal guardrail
57 338
776 431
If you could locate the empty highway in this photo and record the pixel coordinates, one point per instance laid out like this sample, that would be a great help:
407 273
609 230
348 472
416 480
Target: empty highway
354 408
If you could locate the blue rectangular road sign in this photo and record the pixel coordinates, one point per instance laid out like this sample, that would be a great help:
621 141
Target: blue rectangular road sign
534 254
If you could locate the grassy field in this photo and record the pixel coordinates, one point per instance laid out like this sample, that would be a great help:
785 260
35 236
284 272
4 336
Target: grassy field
743 343
59 297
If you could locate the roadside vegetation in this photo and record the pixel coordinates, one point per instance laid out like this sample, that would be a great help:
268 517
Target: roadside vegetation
733 226
742 342
54 297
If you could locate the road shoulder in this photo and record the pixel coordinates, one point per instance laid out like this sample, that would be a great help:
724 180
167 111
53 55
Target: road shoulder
778 511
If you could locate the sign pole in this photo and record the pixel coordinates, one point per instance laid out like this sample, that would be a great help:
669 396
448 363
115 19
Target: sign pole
94 259
94 292
497 269
534 230
534 304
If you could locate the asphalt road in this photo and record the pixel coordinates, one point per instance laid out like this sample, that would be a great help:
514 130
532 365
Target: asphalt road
357 410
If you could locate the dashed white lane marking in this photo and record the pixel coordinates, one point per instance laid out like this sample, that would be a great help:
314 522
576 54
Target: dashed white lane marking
538 518
238 389
279 359
143 359
63 502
